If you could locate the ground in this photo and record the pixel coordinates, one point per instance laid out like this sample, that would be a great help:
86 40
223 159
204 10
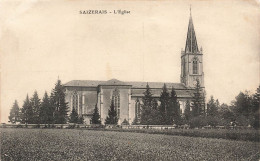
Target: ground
74 144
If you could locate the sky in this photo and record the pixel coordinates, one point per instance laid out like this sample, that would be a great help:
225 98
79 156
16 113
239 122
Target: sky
41 41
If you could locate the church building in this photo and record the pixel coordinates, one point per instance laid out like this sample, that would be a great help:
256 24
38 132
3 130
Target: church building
84 95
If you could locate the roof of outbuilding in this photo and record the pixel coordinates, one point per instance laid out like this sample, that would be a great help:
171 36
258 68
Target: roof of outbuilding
95 83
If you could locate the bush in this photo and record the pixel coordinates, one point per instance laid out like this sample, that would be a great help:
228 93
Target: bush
125 122
212 121
198 122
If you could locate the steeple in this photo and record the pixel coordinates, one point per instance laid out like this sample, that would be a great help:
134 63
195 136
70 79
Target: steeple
191 60
191 42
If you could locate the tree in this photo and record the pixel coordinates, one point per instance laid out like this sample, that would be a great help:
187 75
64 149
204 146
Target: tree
74 118
187 112
46 110
27 112
35 102
173 112
125 122
198 105
146 106
212 107
59 104
96 117
242 104
164 108
112 115
14 116
255 109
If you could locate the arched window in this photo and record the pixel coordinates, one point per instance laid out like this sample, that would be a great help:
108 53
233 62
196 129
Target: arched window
116 99
184 66
137 110
195 66
75 100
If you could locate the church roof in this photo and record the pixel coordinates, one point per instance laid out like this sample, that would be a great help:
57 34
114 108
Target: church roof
95 83
114 82
191 41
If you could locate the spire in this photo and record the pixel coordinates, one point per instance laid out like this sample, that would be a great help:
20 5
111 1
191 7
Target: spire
191 42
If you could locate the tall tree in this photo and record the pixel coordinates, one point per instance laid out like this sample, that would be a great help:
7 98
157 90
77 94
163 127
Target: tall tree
74 118
255 109
146 106
174 110
35 102
96 117
165 110
187 111
212 109
27 112
243 104
112 115
46 110
14 116
198 105
59 104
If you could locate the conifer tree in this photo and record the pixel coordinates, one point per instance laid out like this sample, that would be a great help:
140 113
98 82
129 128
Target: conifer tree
59 104
146 106
198 105
112 115
14 116
187 112
165 110
27 112
35 102
96 117
46 111
74 118
212 108
174 110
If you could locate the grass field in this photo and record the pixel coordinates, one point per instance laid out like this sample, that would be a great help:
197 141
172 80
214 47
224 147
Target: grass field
72 144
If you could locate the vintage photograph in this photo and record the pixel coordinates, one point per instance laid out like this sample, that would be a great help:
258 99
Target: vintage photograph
129 80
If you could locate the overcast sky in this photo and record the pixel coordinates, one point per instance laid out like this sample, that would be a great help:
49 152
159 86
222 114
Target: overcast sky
41 40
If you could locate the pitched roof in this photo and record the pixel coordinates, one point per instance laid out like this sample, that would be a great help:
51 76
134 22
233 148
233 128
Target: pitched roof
83 83
95 83
114 82
191 41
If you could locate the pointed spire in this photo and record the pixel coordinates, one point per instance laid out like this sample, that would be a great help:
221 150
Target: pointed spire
191 41
190 9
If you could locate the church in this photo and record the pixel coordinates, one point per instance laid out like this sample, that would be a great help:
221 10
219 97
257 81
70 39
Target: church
84 95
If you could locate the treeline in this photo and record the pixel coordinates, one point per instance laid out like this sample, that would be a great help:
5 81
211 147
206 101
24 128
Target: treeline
51 109
243 111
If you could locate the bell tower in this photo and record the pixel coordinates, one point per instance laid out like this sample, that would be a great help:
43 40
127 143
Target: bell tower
191 59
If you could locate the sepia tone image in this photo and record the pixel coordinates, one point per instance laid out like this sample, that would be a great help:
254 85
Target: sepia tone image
129 80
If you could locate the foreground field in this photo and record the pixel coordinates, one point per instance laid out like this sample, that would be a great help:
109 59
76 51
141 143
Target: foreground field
66 144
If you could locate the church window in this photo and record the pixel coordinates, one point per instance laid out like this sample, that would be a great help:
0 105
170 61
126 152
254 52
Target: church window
184 67
137 110
195 66
116 100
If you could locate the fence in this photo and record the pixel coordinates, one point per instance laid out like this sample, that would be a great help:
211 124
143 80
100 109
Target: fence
70 126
